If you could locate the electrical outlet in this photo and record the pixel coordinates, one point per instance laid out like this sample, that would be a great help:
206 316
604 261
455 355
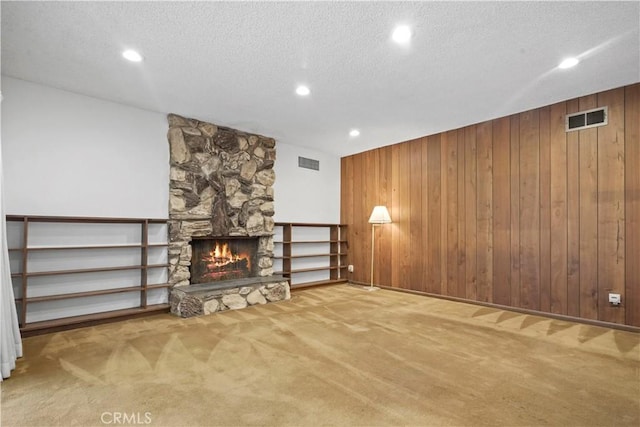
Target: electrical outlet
350 268
614 299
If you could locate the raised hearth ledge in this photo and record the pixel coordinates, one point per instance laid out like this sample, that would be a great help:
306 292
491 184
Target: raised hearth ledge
208 298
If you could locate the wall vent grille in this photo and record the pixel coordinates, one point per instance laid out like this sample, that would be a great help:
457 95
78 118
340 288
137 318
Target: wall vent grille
303 162
586 119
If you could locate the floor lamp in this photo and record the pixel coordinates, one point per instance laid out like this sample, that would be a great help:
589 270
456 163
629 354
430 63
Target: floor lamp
379 216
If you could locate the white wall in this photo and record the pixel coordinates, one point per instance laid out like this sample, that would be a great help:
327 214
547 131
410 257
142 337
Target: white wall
305 195
67 154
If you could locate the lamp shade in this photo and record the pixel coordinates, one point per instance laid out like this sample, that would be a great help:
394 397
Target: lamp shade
380 215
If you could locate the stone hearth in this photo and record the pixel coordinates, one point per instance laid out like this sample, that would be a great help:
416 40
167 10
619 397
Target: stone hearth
196 300
221 184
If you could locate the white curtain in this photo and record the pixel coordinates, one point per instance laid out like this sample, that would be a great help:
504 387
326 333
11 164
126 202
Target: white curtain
10 340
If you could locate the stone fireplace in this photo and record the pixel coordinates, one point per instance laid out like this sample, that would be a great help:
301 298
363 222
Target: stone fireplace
220 192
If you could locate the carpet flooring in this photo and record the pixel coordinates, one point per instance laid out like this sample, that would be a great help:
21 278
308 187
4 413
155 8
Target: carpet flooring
338 356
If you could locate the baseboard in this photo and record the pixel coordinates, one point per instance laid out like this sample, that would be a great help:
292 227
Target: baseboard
318 283
591 322
64 324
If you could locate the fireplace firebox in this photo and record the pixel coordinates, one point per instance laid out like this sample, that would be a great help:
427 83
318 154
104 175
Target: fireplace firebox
223 258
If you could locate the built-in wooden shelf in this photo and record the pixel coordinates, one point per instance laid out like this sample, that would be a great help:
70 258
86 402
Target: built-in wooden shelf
336 253
88 270
310 256
307 270
143 246
84 247
85 219
35 328
83 294
288 242
159 286
317 283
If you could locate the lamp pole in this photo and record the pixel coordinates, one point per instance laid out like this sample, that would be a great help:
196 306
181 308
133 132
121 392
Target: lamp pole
373 239
379 216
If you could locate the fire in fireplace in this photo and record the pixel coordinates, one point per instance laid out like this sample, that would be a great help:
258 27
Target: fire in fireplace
215 259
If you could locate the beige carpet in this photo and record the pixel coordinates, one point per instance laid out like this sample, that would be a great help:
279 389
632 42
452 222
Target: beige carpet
331 356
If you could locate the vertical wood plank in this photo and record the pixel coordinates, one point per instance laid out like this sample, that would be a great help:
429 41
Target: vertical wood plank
501 211
433 213
396 215
588 216
515 209
530 209
632 204
558 182
461 291
470 177
403 224
346 200
484 211
573 216
611 244
415 216
545 210
384 182
373 198
452 213
365 195
426 231
444 195
359 234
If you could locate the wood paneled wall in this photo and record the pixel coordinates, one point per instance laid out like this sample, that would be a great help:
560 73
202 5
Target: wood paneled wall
513 211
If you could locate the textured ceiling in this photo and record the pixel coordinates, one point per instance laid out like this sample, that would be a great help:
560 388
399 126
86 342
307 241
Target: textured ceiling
238 63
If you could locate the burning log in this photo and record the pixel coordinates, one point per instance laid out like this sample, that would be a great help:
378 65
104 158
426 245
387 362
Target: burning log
230 265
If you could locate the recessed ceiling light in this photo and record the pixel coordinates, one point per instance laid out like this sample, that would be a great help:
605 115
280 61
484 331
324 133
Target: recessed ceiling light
132 55
354 132
402 34
568 63
302 90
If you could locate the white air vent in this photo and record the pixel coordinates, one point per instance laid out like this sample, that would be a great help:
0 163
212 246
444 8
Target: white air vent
303 162
586 119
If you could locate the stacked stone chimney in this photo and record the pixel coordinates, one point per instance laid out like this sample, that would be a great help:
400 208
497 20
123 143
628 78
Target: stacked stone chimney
221 185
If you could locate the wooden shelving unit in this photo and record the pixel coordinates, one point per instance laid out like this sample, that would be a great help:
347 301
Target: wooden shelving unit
144 267
336 255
